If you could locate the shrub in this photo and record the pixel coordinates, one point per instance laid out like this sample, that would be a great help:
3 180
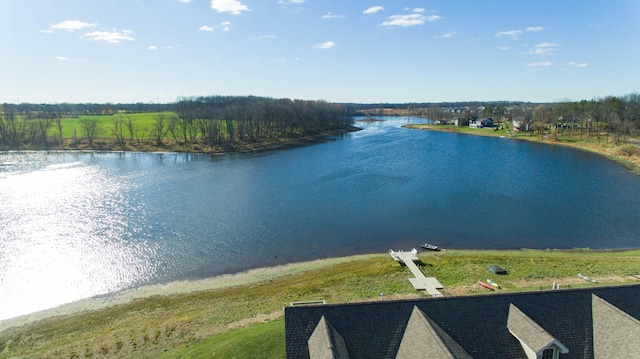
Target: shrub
629 150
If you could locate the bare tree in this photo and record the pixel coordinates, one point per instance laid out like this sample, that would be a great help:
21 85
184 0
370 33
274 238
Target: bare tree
117 129
133 131
160 128
58 121
42 126
89 127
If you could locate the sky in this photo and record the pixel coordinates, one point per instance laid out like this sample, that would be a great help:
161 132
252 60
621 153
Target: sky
128 51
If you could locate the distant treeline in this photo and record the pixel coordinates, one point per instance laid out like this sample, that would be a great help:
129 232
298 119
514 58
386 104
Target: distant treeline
219 121
228 121
617 117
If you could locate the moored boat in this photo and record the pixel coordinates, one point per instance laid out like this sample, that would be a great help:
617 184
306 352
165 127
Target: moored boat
430 247
483 284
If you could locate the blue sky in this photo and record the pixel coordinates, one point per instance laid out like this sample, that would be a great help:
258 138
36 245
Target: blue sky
335 50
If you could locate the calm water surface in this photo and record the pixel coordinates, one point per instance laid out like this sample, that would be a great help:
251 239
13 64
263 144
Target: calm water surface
74 226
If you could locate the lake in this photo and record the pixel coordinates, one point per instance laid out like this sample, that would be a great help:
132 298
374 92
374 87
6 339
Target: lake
76 225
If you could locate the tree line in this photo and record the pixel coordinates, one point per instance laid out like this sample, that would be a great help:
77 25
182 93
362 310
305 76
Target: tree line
611 117
219 121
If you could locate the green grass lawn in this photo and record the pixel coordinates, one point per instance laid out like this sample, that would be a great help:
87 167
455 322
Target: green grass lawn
264 340
245 320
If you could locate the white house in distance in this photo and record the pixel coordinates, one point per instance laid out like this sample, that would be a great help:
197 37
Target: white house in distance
520 124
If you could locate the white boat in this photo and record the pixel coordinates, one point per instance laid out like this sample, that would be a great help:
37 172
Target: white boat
430 247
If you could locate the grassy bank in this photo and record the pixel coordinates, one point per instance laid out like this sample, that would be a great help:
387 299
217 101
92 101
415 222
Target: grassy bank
142 132
227 319
620 154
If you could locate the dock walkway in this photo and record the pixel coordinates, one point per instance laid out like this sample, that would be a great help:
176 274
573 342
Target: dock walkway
420 282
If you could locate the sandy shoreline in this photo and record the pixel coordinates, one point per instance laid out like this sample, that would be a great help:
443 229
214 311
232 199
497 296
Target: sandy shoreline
175 288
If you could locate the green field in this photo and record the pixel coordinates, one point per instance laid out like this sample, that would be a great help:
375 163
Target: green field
143 123
228 320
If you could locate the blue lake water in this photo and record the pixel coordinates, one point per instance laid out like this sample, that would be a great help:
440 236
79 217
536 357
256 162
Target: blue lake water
74 226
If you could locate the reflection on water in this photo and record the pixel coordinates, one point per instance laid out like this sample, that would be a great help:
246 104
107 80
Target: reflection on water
62 236
79 225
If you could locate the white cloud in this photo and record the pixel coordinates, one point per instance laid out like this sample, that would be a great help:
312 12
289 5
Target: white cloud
409 20
449 34
61 58
224 26
373 9
152 47
539 64
285 61
419 9
325 45
72 25
535 28
262 37
545 48
512 33
578 65
285 2
185 1
234 7
114 36
504 48
331 15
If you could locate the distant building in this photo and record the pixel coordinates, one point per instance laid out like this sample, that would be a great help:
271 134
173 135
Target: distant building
454 121
521 124
481 123
586 323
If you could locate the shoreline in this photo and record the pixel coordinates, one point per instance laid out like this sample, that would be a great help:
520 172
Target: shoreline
104 301
256 275
632 164
159 324
197 148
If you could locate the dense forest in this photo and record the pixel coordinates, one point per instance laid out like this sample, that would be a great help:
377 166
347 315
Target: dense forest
203 122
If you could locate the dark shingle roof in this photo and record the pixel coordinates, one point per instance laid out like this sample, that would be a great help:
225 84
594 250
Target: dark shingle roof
423 338
477 323
528 332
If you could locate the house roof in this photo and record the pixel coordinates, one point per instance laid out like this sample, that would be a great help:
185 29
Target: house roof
529 333
423 338
614 331
477 324
326 342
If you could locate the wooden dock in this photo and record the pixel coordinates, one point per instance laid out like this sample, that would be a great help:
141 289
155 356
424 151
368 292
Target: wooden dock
420 282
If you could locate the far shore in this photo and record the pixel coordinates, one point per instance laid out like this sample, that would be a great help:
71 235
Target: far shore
169 146
611 152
